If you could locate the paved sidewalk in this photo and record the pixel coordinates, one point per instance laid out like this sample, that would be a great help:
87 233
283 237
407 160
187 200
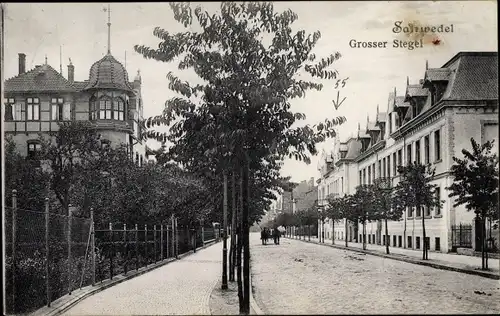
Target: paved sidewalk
453 261
179 288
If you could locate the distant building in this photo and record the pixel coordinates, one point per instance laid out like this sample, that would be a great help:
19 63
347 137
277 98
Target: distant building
430 122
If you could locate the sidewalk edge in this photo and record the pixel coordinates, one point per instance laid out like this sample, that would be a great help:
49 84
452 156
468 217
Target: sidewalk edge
253 302
483 274
59 309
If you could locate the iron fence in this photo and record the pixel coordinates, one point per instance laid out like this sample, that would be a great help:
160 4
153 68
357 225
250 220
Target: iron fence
50 255
461 236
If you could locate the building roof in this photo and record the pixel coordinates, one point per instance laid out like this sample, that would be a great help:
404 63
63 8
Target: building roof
437 74
416 90
400 102
381 117
108 73
371 126
39 79
476 78
353 148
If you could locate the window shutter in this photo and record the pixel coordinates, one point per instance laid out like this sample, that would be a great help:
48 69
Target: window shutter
67 111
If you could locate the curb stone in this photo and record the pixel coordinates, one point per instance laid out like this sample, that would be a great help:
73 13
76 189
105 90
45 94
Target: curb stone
57 308
434 265
253 302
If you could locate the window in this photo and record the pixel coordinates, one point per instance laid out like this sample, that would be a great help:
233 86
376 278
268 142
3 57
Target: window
400 241
419 211
400 157
380 167
369 239
437 243
417 242
437 210
33 109
409 242
383 239
390 123
105 110
373 238
410 212
383 167
389 165
60 110
428 243
408 154
360 177
373 170
437 145
9 109
119 109
369 174
394 240
417 151
364 176
426 149
34 149
92 109
427 210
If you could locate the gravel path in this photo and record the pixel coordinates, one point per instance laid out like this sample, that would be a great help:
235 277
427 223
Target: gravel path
301 278
179 288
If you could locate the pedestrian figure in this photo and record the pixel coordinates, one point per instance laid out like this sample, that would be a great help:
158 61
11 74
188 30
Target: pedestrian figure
266 235
276 236
263 236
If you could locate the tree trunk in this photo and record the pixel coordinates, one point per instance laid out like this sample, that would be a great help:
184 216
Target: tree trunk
232 253
240 246
345 235
224 235
484 255
309 232
246 241
424 252
333 232
386 238
364 235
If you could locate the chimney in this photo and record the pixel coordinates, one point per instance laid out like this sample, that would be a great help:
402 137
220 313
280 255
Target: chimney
22 63
71 72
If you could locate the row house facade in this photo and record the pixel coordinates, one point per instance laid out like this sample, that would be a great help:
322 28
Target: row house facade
430 122
37 100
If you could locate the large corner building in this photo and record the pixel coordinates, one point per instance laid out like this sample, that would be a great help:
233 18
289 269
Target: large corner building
430 122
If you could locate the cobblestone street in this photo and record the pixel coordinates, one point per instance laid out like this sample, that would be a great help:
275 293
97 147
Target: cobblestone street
302 278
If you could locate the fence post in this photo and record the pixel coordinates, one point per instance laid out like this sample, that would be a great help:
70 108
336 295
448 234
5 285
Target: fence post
14 224
161 242
110 251
173 237
47 284
176 239
146 242
125 252
168 245
70 276
154 241
136 247
202 234
92 244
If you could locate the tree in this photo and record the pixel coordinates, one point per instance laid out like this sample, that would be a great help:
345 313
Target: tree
24 175
382 203
363 208
415 191
336 211
240 114
476 186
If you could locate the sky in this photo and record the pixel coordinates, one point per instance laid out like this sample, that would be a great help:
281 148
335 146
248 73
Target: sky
40 30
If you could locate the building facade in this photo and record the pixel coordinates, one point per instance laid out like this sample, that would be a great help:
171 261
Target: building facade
37 100
430 122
